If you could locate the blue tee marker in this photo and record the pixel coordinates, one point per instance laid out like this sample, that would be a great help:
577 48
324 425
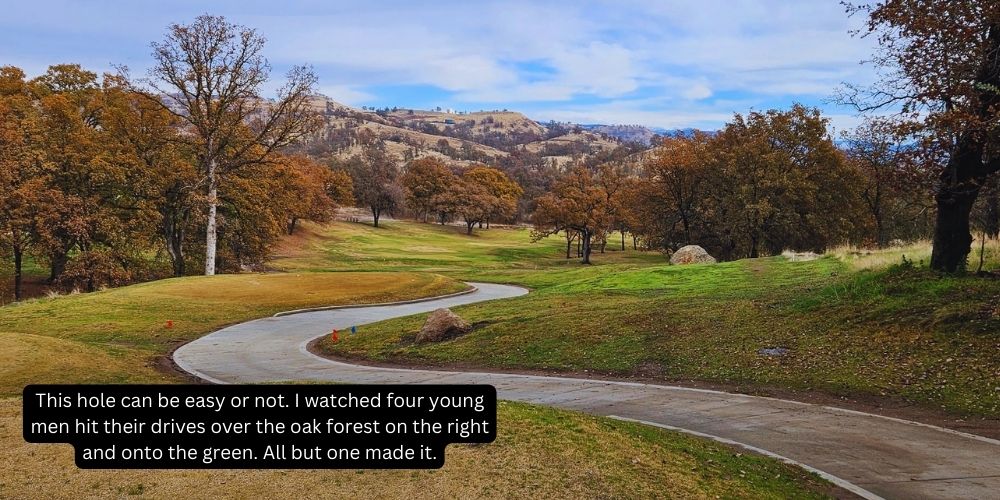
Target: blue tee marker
354 330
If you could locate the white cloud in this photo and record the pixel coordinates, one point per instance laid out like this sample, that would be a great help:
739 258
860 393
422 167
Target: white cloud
697 91
601 59
346 94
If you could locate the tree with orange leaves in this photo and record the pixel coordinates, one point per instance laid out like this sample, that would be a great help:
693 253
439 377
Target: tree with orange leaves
939 63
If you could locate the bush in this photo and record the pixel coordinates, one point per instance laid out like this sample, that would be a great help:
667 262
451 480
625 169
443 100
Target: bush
93 270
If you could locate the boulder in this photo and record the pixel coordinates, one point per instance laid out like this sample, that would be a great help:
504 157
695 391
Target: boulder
442 324
691 254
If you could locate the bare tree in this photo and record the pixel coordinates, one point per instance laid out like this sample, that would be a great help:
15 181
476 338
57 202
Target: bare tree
210 74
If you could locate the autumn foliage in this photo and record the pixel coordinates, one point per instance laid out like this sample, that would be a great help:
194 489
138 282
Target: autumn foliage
102 186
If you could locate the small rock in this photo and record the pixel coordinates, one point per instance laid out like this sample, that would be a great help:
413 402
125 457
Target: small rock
773 351
691 254
442 324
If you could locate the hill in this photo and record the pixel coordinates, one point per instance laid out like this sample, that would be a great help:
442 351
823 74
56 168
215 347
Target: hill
458 138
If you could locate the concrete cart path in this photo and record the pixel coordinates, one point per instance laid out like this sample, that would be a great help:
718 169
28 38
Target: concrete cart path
870 455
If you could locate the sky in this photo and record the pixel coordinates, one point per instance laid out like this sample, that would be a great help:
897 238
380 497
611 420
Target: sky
667 64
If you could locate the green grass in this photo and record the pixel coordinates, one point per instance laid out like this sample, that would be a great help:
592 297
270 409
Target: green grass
858 331
497 254
114 336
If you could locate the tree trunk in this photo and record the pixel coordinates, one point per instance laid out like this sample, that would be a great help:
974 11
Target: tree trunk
623 240
586 246
376 213
291 224
57 264
880 237
211 238
17 272
959 188
468 226
173 237
952 237
569 243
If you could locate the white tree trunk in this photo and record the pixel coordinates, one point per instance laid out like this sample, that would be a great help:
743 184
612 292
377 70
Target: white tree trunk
210 237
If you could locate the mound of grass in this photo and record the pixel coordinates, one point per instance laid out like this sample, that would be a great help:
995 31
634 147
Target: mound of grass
114 335
850 330
539 452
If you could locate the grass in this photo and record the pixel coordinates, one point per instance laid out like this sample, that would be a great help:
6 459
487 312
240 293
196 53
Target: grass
539 452
114 336
496 254
852 326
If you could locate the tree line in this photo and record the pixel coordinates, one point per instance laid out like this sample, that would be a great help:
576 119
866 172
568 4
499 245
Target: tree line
111 179
106 179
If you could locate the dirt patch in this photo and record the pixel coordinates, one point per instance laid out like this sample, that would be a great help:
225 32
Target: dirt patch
165 364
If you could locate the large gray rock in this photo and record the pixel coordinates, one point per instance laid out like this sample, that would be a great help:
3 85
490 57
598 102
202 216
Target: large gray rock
691 254
442 324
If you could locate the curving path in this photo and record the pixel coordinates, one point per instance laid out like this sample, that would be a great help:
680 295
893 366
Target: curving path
870 455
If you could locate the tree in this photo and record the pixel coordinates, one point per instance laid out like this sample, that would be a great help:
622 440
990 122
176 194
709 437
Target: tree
375 177
20 184
677 174
313 191
778 182
467 200
940 68
501 193
210 74
765 182
425 181
160 176
895 195
576 203
68 101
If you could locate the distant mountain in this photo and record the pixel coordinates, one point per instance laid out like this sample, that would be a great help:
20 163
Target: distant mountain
461 138
624 133
682 132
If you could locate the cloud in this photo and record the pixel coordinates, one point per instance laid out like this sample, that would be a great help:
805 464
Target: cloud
346 94
697 91
602 59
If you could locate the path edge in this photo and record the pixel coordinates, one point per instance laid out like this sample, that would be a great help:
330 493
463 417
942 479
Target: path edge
471 289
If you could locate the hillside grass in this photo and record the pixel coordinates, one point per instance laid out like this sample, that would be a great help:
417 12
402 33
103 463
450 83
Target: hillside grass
539 453
862 331
115 336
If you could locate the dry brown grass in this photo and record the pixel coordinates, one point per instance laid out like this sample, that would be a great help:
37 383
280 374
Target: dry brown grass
917 252
539 453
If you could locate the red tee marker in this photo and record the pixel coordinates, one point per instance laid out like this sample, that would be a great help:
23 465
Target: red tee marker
334 335
170 324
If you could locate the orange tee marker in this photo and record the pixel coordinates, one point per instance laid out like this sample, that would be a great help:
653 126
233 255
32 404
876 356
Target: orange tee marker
334 335
170 323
